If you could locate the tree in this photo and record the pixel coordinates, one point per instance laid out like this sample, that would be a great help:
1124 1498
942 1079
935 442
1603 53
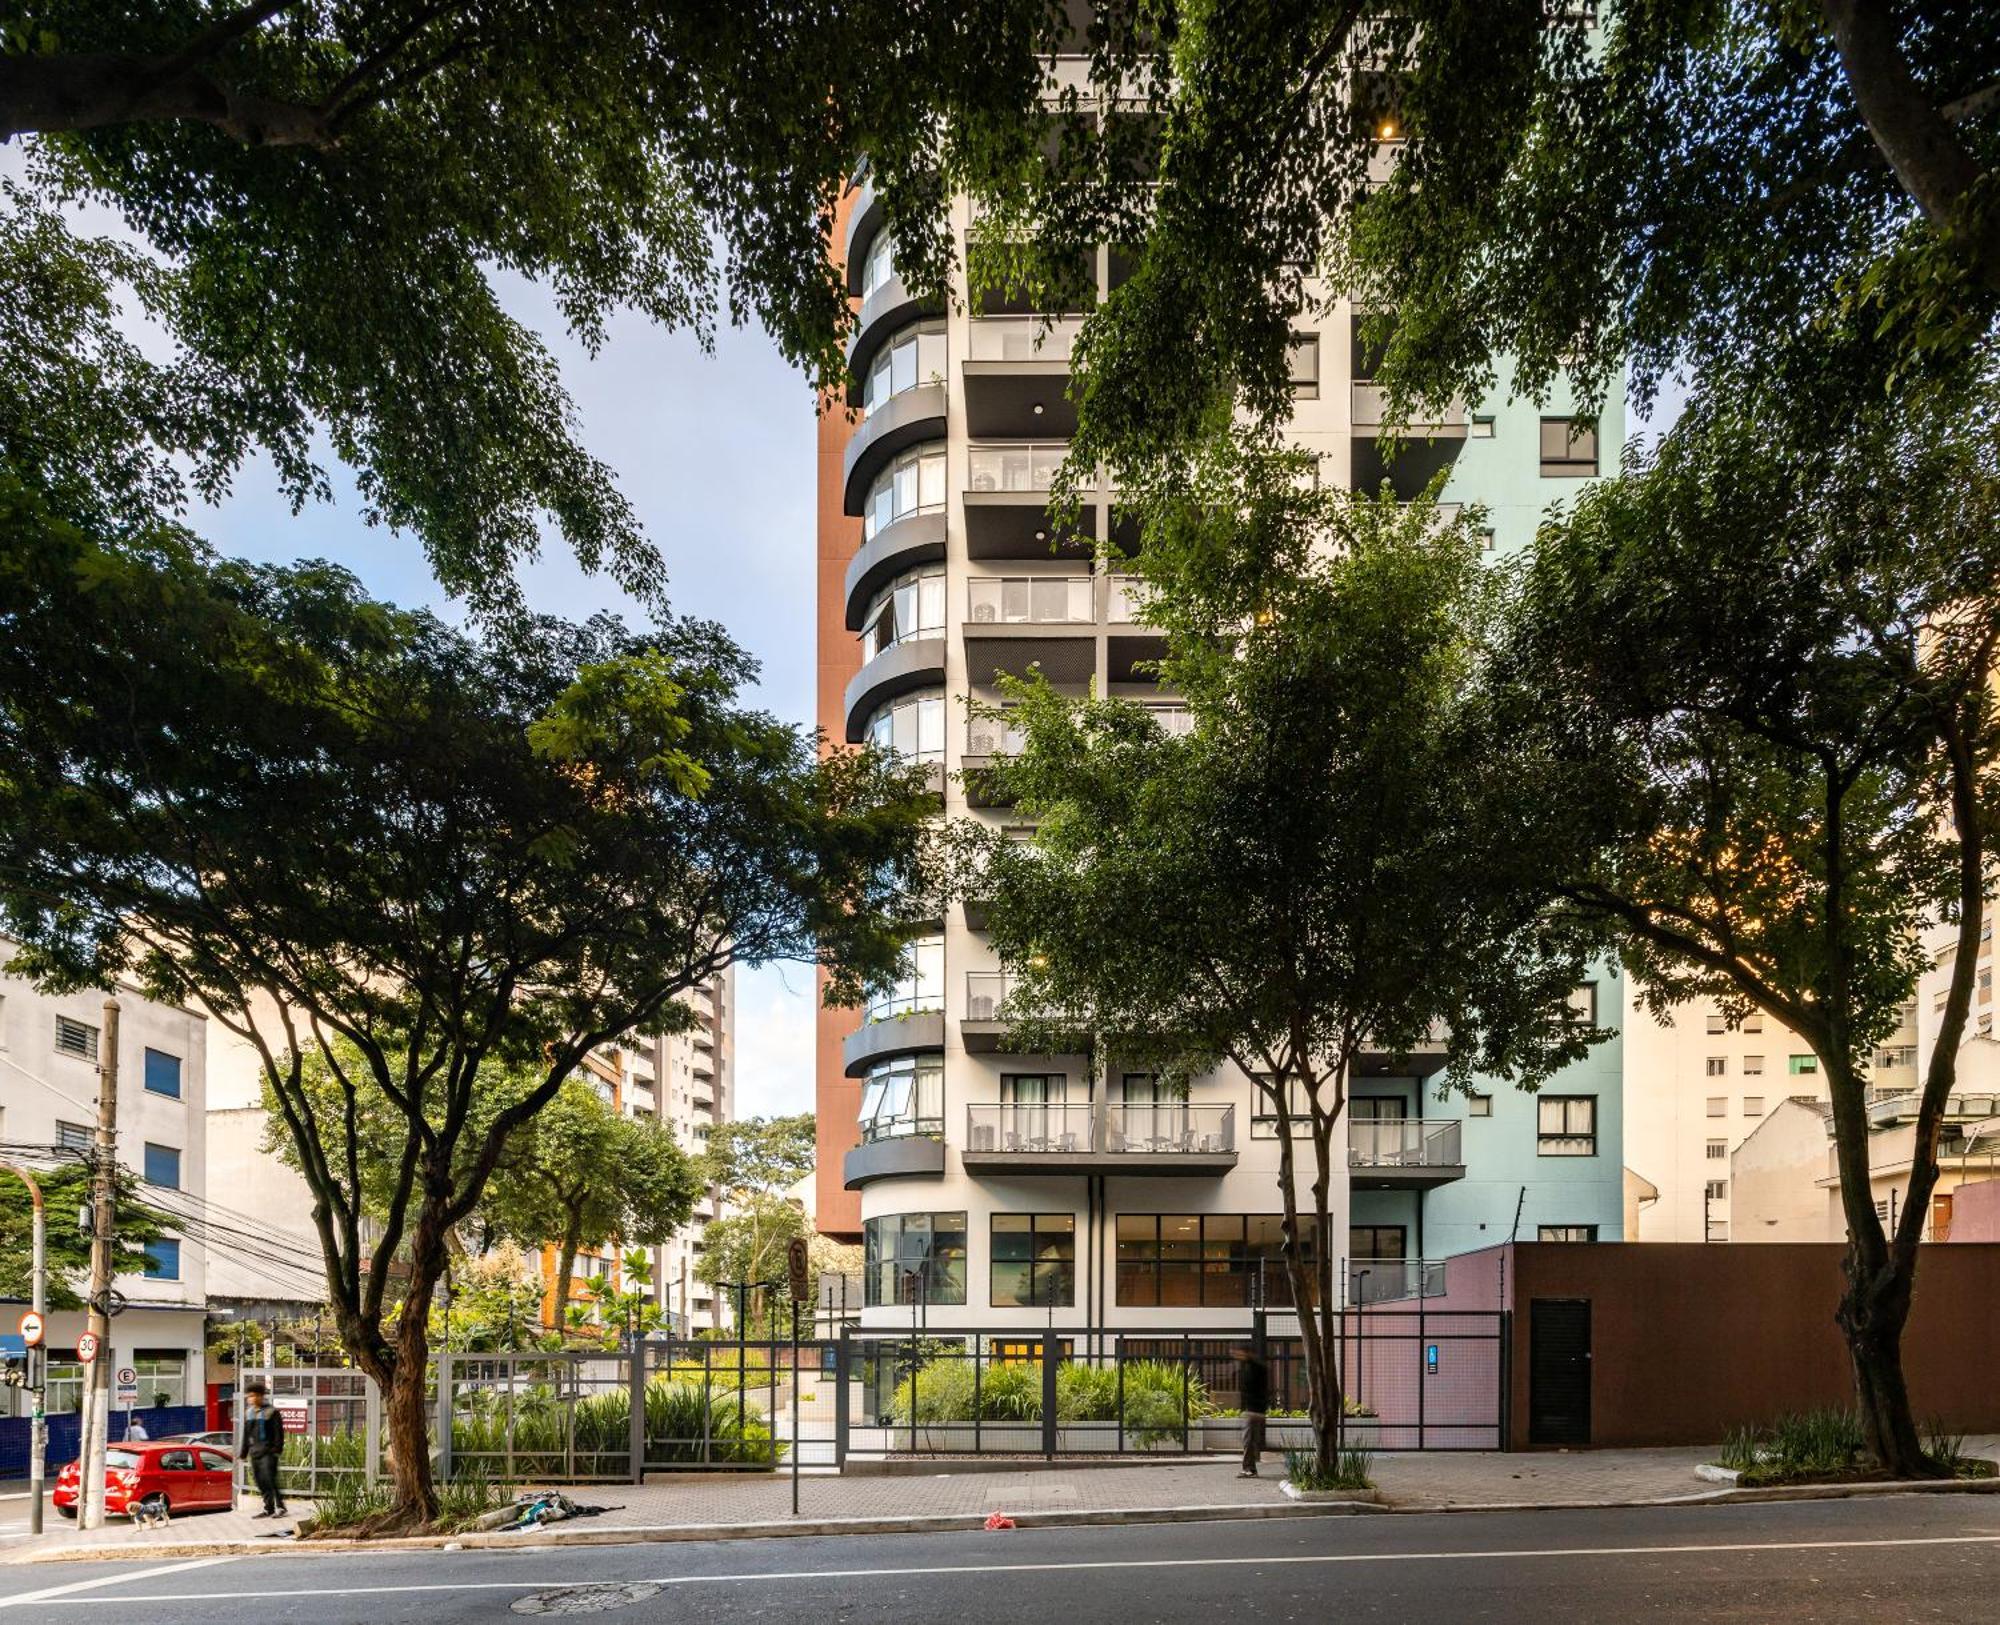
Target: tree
324 819
319 201
1758 669
1329 865
495 1304
579 1174
769 1154
1559 191
65 1192
750 1244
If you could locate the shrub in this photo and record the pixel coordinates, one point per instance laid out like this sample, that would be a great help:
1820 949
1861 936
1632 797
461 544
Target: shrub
1154 1393
1013 1392
1350 1471
1802 1445
1086 1393
939 1391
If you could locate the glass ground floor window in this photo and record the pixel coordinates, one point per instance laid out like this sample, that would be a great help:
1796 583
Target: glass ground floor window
162 1377
1034 1260
912 1258
1202 1260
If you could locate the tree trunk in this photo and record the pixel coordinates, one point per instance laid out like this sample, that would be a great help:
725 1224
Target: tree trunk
406 1409
1876 1303
1312 1294
565 1268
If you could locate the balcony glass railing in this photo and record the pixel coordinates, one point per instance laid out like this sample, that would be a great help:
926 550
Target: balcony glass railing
1021 338
1070 1127
1403 1142
1029 600
1017 467
1957 1108
989 736
1122 601
1388 1280
985 992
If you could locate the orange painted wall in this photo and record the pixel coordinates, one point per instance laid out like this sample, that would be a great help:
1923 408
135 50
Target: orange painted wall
837 1098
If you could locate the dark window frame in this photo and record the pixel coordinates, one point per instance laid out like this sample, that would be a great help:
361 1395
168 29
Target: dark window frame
1547 1141
1036 1265
1572 465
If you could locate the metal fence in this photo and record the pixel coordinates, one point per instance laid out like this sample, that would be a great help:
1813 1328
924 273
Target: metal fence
333 1428
535 1417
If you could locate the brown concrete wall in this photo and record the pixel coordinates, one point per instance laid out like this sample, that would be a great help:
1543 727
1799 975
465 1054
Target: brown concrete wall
1689 1341
837 1099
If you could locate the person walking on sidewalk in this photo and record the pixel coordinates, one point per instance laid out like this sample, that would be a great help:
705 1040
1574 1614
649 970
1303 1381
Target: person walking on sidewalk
1253 1399
264 1443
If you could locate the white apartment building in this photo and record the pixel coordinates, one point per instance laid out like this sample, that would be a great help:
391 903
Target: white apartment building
994 1188
51 1048
1698 1086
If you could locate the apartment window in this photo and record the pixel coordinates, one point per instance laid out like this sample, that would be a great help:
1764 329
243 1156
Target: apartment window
1377 1243
1803 1066
913 483
1305 366
1718 1229
912 727
921 986
1478 1105
73 1137
1717 1022
1202 1260
1718 1066
163 1166
903 1097
1033 1260
1583 1003
163 1259
1753 1105
1566 1126
1569 448
1753 1066
880 265
913 1257
1264 1111
76 1038
1716 1190
1565 1232
1718 1105
914 356
911 606
162 1376
1754 1022
1986 984
163 1074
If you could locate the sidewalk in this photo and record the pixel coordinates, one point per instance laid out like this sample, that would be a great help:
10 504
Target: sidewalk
711 1505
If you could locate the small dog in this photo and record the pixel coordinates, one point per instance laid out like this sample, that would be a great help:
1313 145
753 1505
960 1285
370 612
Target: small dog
152 1513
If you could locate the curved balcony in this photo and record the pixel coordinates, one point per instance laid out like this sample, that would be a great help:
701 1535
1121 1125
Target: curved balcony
898 423
885 1040
884 313
916 538
903 1157
863 221
908 666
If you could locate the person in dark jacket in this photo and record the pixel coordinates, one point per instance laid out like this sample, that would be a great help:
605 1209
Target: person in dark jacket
1253 1400
263 1444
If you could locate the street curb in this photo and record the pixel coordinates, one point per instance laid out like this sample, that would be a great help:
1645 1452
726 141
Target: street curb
958 1523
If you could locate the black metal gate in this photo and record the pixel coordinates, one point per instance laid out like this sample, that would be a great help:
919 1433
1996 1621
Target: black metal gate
1559 1371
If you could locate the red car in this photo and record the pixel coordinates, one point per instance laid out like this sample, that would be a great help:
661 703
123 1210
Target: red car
170 1477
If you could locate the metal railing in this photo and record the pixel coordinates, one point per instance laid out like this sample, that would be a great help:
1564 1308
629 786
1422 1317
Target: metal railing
1165 1128
1125 601
1020 466
1390 1280
1018 600
1957 1108
1403 1142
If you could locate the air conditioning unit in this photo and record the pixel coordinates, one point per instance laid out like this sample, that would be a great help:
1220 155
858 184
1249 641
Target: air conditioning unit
984 612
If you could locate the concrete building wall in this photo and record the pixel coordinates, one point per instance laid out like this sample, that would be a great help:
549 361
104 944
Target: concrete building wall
1975 1212
1696 1087
1775 1177
48 1101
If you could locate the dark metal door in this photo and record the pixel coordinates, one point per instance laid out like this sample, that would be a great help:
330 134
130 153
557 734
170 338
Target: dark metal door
1559 1371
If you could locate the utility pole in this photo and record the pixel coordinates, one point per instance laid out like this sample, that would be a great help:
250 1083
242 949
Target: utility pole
37 1362
103 1182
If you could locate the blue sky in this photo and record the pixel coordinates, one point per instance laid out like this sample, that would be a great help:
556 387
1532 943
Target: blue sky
716 453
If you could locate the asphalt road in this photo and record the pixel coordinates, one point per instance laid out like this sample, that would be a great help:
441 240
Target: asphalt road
1879 1561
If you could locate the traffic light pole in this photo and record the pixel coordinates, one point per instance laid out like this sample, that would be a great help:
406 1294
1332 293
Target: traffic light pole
103 1176
36 1363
